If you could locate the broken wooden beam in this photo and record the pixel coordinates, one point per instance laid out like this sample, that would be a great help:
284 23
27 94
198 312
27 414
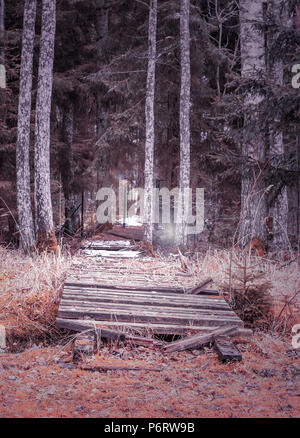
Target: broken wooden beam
101 332
226 350
85 326
199 287
197 341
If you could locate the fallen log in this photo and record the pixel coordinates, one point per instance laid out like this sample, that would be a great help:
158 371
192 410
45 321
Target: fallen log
197 289
197 341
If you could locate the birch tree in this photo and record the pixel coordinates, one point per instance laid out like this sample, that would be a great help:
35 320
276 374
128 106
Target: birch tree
253 197
149 114
279 208
184 177
24 209
43 204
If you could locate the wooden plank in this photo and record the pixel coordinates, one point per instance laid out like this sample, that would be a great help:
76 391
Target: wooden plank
198 288
199 340
140 316
102 332
87 284
226 350
127 287
146 294
125 299
134 326
116 306
80 326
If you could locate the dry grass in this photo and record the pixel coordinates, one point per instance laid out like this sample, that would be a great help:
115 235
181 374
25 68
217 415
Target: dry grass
29 292
30 287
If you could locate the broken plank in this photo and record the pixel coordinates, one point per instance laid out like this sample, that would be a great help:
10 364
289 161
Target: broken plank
197 289
102 332
226 350
79 326
197 341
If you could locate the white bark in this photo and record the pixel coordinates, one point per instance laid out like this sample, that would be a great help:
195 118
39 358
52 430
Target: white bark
279 211
184 177
253 197
25 219
149 113
43 204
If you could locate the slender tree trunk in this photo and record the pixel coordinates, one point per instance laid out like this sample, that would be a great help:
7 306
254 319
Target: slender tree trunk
149 114
2 31
184 178
72 210
279 208
101 105
43 204
26 226
253 197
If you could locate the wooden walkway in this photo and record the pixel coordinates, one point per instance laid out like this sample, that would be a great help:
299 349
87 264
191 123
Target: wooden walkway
112 287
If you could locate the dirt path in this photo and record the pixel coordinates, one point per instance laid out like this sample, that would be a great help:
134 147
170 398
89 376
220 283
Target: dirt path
192 384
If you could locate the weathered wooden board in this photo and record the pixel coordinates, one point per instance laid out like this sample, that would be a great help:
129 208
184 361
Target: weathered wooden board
106 294
226 350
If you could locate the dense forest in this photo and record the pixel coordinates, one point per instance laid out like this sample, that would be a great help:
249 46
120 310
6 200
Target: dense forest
163 94
149 210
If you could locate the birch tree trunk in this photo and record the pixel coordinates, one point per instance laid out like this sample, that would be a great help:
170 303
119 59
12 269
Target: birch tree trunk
149 114
24 209
184 177
279 209
43 204
253 197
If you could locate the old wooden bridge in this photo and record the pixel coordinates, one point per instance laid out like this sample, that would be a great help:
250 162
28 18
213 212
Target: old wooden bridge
111 285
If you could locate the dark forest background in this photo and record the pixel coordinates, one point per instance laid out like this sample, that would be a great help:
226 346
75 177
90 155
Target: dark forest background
100 70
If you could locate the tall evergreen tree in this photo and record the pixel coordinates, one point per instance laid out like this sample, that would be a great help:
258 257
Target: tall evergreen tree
253 197
149 113
280 19
25 219
185 103
43 204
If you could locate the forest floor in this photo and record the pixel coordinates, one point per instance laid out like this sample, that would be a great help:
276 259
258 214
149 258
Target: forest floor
38 378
